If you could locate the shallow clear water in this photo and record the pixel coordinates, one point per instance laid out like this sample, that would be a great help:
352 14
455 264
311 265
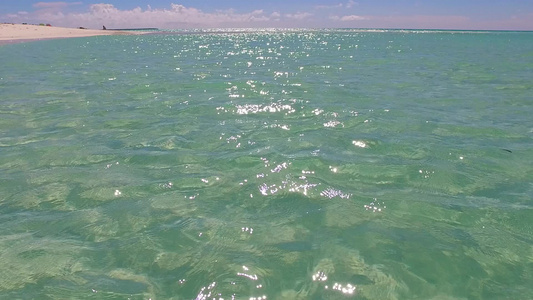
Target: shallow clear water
268 165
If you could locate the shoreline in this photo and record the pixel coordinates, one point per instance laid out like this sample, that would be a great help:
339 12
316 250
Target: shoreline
21 33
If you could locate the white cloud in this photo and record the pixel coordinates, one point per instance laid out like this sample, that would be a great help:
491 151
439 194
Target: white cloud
424 21
177 16
349 18
348 4
406 21
351 4
299 15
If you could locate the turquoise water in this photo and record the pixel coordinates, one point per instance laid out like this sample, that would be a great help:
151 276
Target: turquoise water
268 165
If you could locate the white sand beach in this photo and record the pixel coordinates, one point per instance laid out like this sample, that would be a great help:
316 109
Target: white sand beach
22 32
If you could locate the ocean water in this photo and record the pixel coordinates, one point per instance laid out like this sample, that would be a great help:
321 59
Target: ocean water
321 164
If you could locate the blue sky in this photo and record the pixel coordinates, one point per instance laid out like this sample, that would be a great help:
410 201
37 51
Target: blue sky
417 14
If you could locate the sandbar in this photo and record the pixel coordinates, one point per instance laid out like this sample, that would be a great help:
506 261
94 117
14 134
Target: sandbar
14 33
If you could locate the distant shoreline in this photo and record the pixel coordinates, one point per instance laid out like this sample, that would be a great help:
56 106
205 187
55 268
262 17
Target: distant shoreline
19 33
